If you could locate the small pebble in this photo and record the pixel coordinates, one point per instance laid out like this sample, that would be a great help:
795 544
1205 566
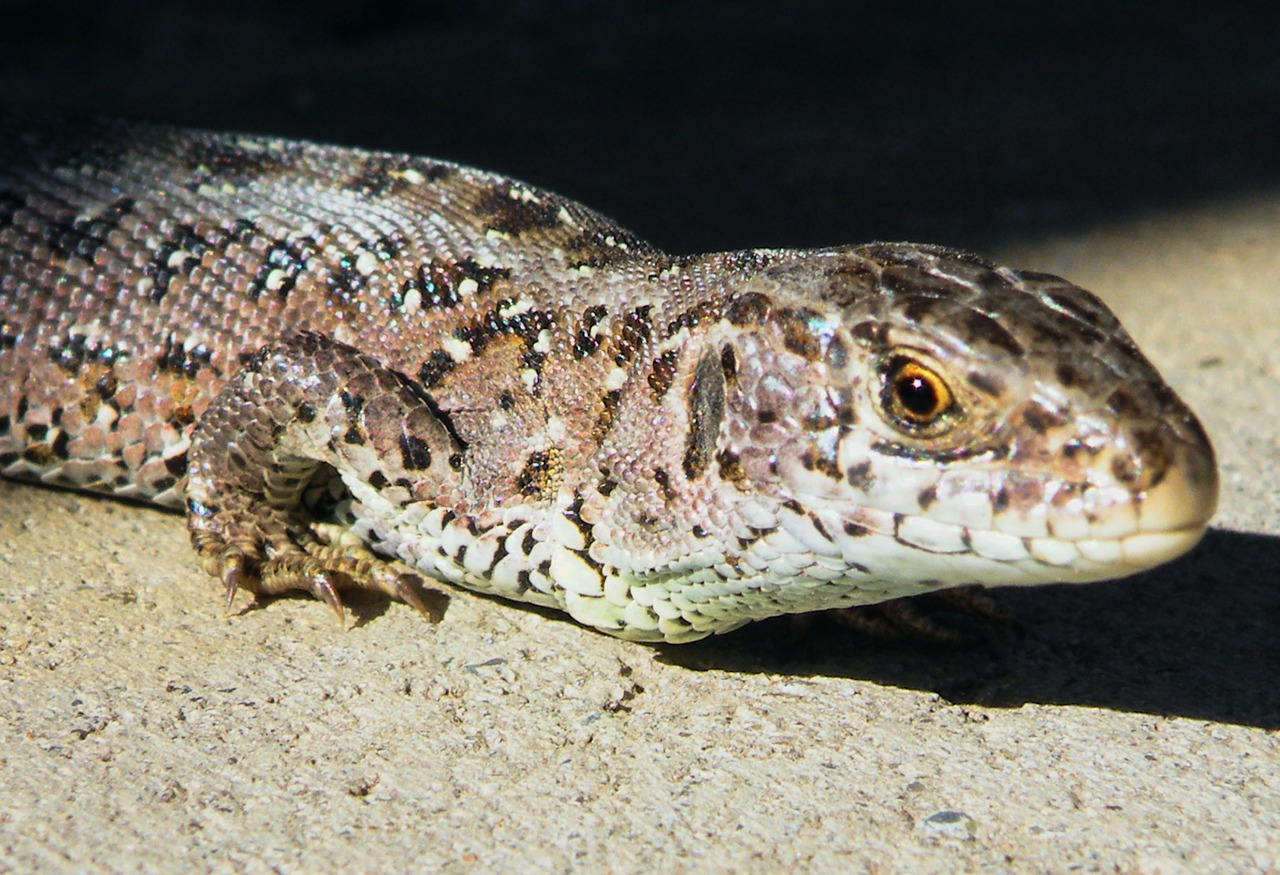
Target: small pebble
948 825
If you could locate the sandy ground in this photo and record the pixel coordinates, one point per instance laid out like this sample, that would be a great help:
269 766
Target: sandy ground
1131 728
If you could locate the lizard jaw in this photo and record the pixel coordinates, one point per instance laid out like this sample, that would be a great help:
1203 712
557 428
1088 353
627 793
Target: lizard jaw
1174 515
1149 549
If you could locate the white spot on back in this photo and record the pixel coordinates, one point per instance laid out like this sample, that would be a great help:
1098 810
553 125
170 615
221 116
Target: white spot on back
458 350
555 429
366 263
412 302
523 305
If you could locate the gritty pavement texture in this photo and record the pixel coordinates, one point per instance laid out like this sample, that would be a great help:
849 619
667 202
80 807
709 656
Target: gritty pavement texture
1130 727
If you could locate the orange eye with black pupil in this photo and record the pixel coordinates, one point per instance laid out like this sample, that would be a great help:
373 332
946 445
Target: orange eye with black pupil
914 395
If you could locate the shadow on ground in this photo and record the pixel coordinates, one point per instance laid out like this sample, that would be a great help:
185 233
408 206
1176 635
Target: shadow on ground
1195 639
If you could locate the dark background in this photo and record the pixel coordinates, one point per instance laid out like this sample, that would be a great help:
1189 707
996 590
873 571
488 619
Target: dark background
713 125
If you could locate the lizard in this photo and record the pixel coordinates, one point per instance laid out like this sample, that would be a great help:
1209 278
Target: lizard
353 369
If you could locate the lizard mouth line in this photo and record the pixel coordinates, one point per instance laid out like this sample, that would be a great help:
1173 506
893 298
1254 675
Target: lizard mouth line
1028 560
1147 549
1104 558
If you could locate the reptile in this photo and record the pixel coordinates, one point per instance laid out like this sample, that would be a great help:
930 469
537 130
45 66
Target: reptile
357 369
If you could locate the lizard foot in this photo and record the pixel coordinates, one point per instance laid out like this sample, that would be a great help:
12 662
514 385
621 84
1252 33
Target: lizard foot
303 417
316 566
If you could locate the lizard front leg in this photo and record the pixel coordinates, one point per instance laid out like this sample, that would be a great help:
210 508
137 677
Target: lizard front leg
299 409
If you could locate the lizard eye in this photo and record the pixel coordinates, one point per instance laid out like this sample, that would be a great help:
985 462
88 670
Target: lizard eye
913 395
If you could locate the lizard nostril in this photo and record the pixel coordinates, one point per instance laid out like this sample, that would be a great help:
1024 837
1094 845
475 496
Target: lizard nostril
1136 472
1144 461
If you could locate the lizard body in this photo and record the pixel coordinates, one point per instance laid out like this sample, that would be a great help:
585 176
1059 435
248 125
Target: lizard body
343 362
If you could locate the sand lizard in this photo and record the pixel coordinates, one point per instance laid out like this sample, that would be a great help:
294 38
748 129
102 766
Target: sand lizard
348 364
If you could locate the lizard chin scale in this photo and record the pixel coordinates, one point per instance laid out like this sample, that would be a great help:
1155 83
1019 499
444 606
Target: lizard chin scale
1149 549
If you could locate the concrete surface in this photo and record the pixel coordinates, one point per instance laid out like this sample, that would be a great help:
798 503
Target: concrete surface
1131 729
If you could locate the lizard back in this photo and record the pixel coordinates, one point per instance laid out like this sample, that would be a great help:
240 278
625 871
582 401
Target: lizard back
143 265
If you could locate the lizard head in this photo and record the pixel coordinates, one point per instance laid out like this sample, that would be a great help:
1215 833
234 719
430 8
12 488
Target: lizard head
929 419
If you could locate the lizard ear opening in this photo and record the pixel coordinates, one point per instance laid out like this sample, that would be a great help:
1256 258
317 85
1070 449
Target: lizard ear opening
706 411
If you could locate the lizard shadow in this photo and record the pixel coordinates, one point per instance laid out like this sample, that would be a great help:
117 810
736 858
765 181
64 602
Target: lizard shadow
1194 639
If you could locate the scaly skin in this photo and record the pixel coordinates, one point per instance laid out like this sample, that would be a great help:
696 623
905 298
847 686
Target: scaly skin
330 356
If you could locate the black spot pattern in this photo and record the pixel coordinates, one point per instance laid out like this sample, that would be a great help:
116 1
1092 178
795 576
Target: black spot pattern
434 369
591 248
585 342
379 175
636 329
437 282
663 479
237 161
527 326
798 334
284 261
750 309
516 215
163 267
860 476
535 476
83 237
663 373
415 454
174 358
77 350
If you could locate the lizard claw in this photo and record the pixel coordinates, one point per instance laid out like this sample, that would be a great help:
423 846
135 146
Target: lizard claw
404 591
322 587
232 577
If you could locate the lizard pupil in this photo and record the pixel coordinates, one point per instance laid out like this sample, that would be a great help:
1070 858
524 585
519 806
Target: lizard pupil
915 396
